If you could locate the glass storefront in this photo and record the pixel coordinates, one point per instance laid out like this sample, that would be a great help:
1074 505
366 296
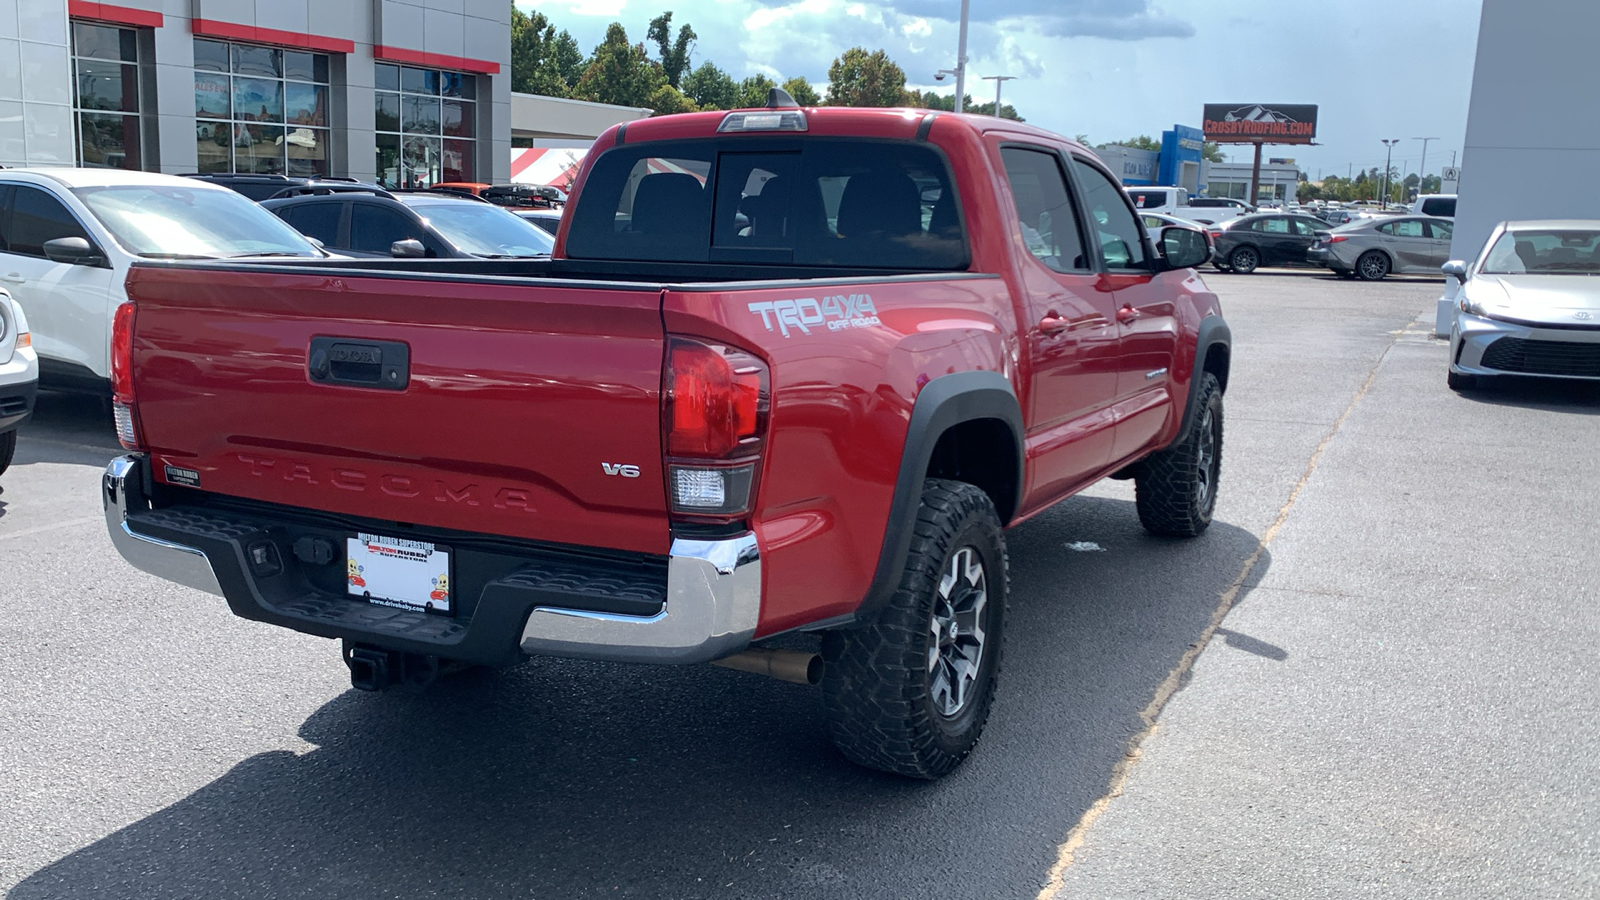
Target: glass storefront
260 109
105 95
426 124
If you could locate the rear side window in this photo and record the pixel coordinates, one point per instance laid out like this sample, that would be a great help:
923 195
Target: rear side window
1044 208
317 220
808 202
37 217
1439 206
1148 199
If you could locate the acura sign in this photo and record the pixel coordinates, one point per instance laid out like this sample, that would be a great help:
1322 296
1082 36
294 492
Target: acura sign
1260 123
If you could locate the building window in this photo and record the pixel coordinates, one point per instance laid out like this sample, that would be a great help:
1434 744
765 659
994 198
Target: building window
260 109
105 95
426 124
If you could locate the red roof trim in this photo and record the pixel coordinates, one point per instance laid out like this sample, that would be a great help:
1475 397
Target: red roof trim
120 15
231 31
435 60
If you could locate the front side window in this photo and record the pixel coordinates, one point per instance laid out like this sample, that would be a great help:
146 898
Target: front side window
816 202
1308 228
1441 231
1121 242
105 95
1044 208
37 217
176 222
260 109
375 228
427 126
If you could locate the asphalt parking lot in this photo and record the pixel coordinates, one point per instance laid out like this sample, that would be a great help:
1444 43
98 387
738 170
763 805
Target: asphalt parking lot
1373 677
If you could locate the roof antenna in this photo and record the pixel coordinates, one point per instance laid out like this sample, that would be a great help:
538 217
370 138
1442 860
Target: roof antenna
778 98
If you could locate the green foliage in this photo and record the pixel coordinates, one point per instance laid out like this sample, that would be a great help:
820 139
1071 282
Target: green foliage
802 91
668 100
1142 142
753 91
859 78
1210 152
619 73
674 53
543 61
711 88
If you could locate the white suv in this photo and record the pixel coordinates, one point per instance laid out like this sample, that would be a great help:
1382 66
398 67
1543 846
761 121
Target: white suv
19 375
68 236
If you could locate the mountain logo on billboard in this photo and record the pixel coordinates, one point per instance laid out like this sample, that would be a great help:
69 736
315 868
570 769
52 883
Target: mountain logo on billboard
1255 114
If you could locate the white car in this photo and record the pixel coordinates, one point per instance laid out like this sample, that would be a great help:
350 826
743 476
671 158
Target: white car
19 375
1529 304
68 236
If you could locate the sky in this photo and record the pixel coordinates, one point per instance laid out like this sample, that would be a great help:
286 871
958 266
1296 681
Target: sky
1113 69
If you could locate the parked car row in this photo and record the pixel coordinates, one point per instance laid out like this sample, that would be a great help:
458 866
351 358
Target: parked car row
1369 249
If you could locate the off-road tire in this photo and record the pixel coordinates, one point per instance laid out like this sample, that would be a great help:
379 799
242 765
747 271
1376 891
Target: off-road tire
8 447
1176 488
1373 265
878 685
1244 260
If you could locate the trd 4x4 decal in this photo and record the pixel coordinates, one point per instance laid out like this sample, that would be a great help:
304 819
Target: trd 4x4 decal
837 312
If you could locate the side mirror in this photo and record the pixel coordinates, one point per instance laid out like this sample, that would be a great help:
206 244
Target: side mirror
74 251
1456 269
317 242
1184 248
410 248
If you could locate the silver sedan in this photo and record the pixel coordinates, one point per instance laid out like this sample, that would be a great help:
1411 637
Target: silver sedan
1372 248
1529 304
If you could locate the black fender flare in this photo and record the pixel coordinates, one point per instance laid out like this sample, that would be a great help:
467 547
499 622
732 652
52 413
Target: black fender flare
942 403
1212 332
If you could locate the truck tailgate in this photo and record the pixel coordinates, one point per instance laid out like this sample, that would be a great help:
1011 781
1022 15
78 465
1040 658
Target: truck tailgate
529 408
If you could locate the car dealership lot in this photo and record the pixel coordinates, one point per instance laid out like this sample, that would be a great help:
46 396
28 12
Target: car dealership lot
1396 704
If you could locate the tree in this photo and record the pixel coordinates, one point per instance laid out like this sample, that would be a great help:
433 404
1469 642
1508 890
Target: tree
1142 142
619 72
711 88
542 60
1210 152
674 53
668 100
802 91
859 78
753 91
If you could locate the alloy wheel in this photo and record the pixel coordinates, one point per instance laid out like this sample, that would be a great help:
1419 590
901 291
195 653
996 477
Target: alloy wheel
956 633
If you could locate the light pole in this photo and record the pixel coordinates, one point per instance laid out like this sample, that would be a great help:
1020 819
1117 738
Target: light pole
998 81
1388 157
1422 170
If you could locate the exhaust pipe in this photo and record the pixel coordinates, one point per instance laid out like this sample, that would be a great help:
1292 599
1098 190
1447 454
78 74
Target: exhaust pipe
794 666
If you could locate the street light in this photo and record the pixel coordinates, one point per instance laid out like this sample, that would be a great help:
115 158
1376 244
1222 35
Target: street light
1422 172
960 71
1388 156
998 81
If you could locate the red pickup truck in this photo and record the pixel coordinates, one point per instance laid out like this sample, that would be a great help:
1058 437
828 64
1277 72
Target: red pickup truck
789 371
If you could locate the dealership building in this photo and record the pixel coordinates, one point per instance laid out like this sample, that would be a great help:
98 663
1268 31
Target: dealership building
403 92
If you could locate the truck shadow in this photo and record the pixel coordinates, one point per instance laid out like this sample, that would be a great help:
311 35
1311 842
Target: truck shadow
571 779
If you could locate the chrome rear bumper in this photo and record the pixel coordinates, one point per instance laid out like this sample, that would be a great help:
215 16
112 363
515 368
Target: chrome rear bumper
712 599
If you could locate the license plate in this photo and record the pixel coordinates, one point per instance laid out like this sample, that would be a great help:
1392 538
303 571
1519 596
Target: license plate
398 572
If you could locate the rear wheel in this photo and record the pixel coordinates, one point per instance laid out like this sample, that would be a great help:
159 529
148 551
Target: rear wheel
1176 488
910 693
1244 260
8 448
1372 266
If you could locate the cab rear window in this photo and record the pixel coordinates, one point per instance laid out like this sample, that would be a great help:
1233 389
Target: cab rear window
800 202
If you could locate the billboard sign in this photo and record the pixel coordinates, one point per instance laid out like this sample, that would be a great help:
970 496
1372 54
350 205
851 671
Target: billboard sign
1260 123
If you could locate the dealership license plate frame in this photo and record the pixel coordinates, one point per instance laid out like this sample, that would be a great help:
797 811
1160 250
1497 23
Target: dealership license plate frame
400 572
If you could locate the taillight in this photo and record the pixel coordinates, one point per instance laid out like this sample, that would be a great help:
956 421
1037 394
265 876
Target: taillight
122 378
715 418
1336 238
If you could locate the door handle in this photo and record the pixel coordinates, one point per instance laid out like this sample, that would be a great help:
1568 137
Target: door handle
1053 324
1127 314
13 277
